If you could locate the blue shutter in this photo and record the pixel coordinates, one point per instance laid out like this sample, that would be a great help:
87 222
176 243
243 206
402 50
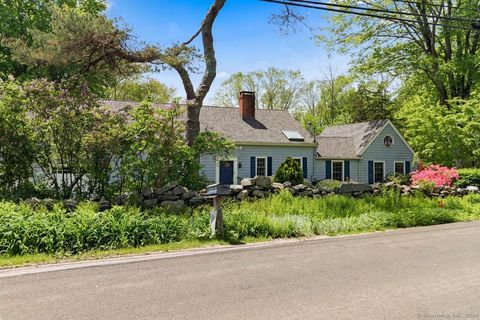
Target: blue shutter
252 167
407 167
328 169
370 172
305 167
269 166
346 169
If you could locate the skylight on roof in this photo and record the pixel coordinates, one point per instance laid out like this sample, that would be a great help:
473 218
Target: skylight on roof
293 135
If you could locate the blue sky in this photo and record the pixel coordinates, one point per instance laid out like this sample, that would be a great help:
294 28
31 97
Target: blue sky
244 40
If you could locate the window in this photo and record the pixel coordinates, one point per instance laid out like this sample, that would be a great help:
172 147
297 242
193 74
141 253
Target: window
261 166
299 161
293 135
378 172
65 170
337 170
399 167
388 141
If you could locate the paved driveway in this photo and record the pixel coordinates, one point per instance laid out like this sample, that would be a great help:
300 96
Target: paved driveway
419 273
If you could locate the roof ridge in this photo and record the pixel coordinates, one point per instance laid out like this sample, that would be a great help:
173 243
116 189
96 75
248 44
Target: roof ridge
357 123
183 104
349 137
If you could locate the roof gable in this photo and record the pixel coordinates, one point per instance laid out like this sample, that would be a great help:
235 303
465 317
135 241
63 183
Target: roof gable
388 125
351 140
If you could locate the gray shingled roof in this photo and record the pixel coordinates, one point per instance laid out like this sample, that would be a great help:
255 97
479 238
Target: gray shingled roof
265 128
347 141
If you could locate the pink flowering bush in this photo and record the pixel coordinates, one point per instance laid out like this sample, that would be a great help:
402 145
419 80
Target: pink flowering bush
440 176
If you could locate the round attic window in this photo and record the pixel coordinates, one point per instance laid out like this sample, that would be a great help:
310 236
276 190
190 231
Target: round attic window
388 141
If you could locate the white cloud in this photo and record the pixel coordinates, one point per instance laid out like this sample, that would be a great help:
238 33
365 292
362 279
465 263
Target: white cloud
223 75
109 4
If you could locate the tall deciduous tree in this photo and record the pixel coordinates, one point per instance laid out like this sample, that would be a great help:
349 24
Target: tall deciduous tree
275 88
228 93
280 88
370 100
195 97
342 99
430 48
443 135
437 45
324 102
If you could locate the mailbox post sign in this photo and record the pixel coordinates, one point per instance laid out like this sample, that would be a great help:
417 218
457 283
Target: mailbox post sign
217 192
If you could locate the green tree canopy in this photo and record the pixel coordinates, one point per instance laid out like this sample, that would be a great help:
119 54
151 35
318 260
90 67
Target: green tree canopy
274 88
16 149
22 17
79 45
437 46
444 135
139 90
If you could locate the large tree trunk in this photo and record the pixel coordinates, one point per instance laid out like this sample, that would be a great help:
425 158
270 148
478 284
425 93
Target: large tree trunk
195 99
193 121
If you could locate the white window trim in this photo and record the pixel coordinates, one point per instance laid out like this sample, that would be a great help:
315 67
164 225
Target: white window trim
301 161
383 174
266 165
343 168
235 169
395 162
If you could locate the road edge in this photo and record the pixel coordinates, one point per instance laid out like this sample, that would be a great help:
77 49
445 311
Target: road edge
152 256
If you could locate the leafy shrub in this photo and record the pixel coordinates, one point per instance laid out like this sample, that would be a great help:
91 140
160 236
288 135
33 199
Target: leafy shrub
398 178
440 176
331 185
24 230
468 177
289 170
132 149
426 186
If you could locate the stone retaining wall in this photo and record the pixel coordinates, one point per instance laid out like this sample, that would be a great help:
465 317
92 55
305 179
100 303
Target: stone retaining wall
176 197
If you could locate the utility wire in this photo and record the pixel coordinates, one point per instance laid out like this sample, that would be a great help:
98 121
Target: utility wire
474 25
437 5
384 11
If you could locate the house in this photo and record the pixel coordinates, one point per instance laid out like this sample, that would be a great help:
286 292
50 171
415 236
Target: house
263 138
365 152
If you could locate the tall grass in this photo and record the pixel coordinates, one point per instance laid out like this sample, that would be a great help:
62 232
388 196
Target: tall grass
287 216
27 230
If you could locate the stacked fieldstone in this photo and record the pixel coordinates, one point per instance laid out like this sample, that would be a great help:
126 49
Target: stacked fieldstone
175 197
172 196
259 187
441 192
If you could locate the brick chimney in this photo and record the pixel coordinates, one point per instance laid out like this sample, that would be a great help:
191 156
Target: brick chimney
247 104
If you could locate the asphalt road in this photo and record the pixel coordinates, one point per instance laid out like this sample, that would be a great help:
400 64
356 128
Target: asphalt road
420 273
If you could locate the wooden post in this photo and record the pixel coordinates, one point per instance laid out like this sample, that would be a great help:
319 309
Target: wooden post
216 217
